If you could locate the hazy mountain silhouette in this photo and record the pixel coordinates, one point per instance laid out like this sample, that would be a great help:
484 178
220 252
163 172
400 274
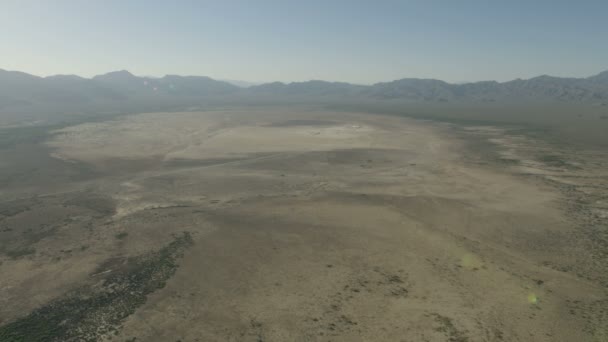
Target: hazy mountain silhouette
310 88
539 89
121 91
169 84
601 78
241 84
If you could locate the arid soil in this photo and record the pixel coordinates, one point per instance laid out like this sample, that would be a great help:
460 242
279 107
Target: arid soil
302 225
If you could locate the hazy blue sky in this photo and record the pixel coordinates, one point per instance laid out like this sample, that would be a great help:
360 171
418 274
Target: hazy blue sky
354 41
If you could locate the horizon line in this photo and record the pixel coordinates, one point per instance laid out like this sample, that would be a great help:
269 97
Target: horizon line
258 83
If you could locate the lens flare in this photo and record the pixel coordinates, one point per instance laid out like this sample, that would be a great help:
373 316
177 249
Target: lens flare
471 261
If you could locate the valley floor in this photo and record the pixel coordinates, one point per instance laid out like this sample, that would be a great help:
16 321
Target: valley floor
303 225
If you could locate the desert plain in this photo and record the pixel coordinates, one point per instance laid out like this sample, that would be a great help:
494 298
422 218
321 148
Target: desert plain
300 224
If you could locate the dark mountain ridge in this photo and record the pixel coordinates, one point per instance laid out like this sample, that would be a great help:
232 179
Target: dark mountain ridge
123 91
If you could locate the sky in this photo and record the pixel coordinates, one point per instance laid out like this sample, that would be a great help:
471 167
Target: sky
341 40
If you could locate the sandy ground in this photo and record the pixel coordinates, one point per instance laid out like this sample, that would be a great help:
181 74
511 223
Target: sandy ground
320 226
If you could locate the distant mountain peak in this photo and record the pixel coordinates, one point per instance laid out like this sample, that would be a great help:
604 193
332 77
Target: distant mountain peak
14 75
240 83
64 77
120 74
602 77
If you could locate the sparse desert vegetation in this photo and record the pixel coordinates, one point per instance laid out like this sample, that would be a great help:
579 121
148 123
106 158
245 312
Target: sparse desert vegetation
302 223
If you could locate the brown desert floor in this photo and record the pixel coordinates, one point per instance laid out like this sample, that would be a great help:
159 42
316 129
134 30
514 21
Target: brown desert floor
315 226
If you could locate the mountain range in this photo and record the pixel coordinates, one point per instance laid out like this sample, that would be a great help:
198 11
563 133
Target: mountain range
123 91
